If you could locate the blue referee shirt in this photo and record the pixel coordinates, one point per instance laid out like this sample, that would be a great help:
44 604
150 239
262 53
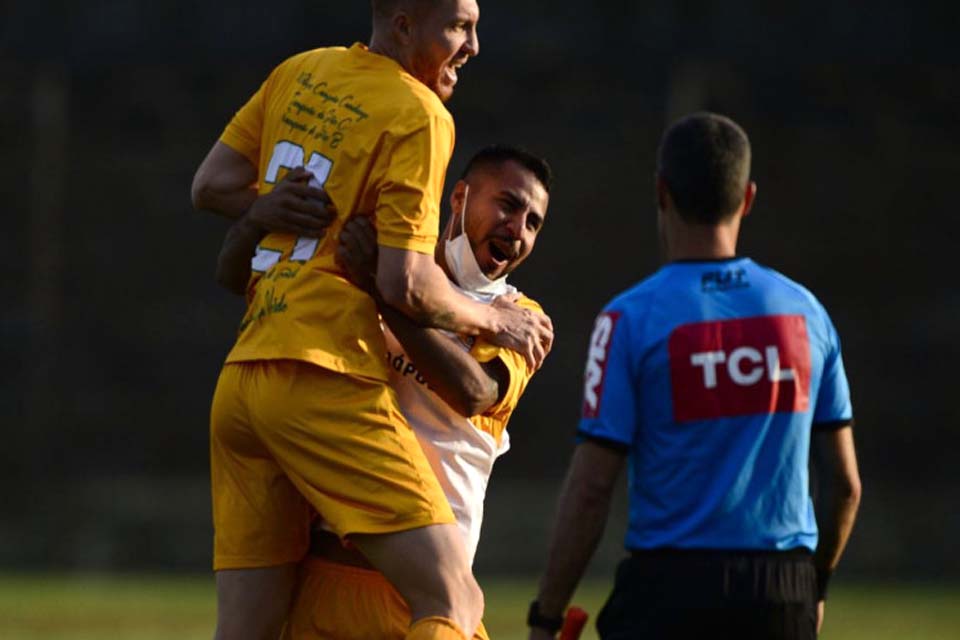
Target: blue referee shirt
711 376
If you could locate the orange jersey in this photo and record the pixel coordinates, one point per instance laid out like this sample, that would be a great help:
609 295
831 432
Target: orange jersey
377 140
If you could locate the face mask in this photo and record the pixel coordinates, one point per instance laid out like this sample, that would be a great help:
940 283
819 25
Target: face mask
463 263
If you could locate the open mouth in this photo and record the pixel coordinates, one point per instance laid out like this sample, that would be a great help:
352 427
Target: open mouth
501 252
451 73
452 70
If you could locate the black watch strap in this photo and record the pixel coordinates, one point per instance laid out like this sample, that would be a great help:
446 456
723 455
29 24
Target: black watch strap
540 621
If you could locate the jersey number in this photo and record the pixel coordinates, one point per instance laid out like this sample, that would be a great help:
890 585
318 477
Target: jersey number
288 155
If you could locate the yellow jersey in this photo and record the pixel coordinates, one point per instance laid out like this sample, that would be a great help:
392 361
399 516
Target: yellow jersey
494 420
377 140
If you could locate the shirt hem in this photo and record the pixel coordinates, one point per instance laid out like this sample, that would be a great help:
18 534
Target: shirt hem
408 245
606 443
331 363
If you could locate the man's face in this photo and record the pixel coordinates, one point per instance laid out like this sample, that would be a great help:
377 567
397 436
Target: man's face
506 208
442 39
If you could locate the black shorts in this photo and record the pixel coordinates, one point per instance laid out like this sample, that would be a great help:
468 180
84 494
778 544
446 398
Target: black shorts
743 595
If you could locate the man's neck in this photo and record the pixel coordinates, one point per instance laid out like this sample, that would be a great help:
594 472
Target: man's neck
382 46
702 242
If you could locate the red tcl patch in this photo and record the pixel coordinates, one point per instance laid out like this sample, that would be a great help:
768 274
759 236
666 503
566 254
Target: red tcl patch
740 367
597 363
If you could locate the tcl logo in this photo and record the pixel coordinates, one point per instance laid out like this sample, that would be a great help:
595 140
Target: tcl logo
743 375
597 362
740 367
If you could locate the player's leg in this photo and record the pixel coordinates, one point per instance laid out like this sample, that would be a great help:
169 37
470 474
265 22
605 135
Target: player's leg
350 452
347 600
261 523
253 603
430 569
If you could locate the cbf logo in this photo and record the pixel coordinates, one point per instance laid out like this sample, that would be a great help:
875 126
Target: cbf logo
740 367
597 362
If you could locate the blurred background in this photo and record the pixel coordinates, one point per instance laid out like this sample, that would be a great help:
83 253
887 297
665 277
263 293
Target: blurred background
112 330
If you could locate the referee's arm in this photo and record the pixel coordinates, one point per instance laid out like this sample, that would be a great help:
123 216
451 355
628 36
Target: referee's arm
581 517
838 481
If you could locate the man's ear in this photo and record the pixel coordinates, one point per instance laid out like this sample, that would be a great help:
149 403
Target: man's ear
402 27
664 199
749 195
457 196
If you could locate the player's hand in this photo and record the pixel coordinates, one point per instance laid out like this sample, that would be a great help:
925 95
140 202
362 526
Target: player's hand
526 332
820 609
357 251
293 207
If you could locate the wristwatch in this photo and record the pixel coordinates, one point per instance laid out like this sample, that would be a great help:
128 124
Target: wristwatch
540 621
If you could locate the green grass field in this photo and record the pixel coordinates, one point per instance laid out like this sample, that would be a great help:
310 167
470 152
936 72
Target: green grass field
167 608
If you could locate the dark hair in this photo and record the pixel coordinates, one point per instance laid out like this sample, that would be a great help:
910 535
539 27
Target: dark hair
704 159
498 154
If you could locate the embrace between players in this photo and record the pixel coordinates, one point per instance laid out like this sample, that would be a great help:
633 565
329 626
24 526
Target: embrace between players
357 418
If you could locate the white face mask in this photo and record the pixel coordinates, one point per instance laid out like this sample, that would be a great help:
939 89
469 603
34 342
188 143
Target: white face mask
463 262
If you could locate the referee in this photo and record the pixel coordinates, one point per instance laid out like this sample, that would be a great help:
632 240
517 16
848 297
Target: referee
714 377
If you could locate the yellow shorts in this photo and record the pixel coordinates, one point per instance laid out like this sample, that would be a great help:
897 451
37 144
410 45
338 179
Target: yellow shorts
288 436
339 602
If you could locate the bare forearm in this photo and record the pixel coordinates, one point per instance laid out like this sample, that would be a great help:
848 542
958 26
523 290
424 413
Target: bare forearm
581 519
452 373
838 479
230 204
836 514
233 263
417 287
434 303
225 183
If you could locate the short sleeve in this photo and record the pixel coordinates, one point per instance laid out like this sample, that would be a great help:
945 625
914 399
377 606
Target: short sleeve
609 412
408 205
244 131
494 420
517 368
833 408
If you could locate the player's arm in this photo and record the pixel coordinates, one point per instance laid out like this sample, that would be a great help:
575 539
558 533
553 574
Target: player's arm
467 386
226 184
582 514
412 283
233 263
838 482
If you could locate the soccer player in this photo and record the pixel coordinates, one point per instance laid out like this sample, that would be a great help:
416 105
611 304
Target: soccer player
457 393
303 418
714 377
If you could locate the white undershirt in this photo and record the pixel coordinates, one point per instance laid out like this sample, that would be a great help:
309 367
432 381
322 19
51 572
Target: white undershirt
460 454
